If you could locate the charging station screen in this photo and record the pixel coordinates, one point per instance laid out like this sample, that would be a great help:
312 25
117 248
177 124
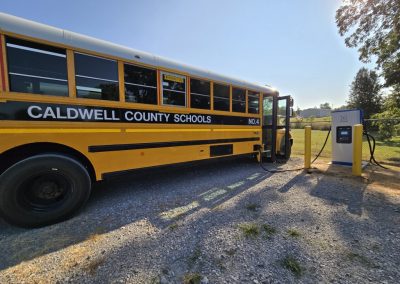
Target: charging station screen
343 134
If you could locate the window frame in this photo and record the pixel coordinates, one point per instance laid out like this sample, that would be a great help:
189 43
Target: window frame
229 86
6 64
245 99
248 102
156 87
162 89
117 82
210 92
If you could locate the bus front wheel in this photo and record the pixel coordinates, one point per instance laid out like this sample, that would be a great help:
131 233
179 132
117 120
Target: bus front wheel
42 190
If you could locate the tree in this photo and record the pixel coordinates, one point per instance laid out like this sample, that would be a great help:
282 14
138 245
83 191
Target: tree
374 27
325 106
365 92
388 122
392 102
341 107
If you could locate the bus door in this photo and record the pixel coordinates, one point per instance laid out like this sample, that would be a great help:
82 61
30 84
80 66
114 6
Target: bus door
275 127
269 127
283 127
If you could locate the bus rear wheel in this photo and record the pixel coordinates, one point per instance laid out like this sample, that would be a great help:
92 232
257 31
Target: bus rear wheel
43 190
282 152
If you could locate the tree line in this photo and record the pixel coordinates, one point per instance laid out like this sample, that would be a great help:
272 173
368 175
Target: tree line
373 26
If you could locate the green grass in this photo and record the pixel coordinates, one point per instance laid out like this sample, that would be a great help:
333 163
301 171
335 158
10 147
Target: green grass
317 140
309 119
269 230
155 280
293 265
386 151
252 207
173 226
293 233
249 230
194 257
192 278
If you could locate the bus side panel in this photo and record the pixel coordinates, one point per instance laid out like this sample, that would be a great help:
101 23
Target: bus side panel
113 150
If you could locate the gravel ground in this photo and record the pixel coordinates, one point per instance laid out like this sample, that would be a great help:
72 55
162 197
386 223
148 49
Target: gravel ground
219 222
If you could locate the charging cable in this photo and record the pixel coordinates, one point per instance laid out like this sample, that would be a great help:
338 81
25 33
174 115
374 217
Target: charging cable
296 169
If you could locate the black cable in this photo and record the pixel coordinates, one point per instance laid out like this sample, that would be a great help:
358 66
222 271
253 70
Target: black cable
277 171
323 147
372 159
296 169
372 148
369 146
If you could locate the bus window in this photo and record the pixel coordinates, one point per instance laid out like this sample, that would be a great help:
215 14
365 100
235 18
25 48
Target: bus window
96 78
268 104
173 89
36 68
140 84
253 102
221 97
238 100
199 94
281 119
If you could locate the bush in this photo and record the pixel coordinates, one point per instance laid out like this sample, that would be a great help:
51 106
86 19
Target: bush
297 125
397 129
387 125
319 125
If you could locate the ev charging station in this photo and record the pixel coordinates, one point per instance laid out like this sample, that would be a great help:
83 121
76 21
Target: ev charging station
343 122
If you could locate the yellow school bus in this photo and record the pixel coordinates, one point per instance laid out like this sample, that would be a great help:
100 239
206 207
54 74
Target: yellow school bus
75 110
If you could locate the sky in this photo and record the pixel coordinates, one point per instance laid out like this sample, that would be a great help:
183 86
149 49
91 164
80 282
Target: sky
291 45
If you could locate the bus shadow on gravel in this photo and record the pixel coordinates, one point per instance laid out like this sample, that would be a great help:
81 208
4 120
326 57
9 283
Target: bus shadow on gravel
158 196
172 221
358 243
343 191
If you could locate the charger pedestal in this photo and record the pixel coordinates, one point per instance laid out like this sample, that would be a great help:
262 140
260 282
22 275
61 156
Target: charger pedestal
343 138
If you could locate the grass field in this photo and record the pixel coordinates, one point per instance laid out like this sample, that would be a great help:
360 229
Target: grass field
311 119
386 151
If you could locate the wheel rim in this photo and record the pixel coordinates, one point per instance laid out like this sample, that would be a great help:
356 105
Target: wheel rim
44 192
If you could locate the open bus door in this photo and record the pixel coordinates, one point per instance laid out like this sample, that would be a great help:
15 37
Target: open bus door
276 127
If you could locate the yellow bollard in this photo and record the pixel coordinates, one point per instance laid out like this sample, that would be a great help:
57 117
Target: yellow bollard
357 149
307 147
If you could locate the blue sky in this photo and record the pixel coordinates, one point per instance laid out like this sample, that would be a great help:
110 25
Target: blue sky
289 44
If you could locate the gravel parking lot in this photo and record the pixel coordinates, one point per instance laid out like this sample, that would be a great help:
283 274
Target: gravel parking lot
218 222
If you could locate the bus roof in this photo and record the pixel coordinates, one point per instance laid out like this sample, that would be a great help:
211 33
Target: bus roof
20 26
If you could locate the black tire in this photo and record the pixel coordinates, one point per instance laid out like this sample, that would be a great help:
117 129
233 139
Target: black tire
43 190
